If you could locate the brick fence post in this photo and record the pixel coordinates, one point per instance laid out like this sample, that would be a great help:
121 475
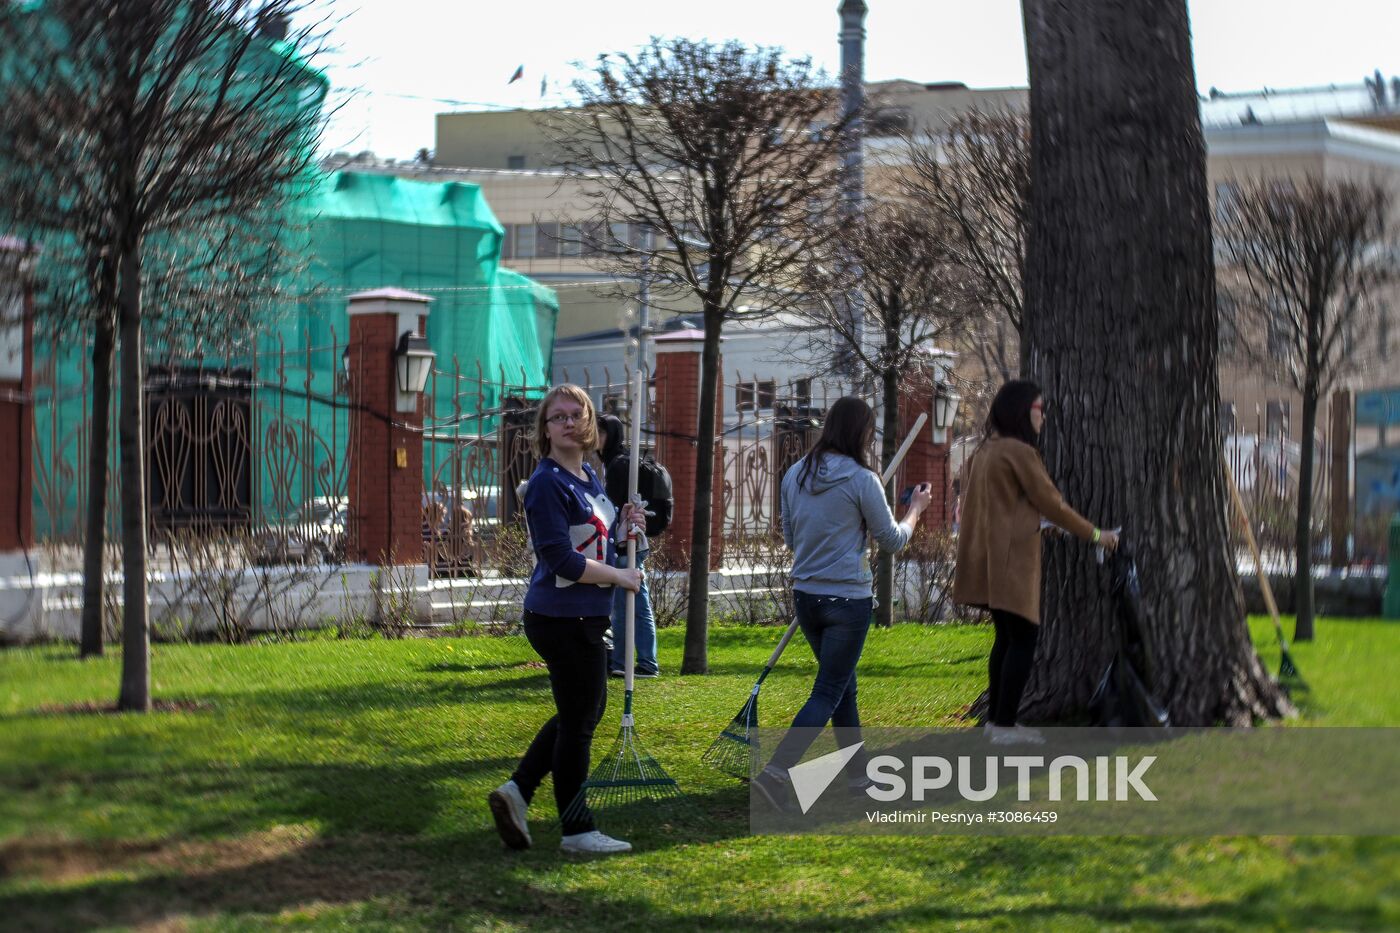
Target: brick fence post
385 453
22 605
926 462
677 377
1341 443
16 403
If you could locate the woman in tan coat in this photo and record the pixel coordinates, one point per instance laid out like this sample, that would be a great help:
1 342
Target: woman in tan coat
1007 492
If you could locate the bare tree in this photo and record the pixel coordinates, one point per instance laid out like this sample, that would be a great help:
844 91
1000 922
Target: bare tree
1122 331
1303 259
717 153
896 258
976 174
149 136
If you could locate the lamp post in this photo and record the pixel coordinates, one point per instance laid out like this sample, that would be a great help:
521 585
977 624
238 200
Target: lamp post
945 408
413 362
852 36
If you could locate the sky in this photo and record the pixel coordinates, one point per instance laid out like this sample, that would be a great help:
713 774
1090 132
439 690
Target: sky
396 63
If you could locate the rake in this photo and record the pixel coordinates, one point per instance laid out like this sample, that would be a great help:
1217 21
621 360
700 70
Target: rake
735 751
626 774
1288 674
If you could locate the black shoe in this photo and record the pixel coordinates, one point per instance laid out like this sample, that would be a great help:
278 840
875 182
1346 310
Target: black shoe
647 674
859 788
776 792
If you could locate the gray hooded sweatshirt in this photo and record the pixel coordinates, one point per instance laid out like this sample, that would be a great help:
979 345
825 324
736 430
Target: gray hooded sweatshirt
825 524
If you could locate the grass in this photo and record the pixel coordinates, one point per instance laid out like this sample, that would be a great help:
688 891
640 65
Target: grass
341 783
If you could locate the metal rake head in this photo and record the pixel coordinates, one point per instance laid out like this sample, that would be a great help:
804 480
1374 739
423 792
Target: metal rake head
625 775
735 751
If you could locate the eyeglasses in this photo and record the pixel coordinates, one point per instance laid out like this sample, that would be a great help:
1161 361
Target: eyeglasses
565 419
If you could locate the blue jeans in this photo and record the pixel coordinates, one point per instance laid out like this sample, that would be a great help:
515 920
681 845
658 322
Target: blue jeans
835 627
644 625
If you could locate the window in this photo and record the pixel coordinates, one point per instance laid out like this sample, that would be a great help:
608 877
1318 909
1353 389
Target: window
620 235
887 121
1227 195
1228 322
547 240
515 162
1276 419
526 239
594 242
1277 331
570 240
754 396
802 391
1228 422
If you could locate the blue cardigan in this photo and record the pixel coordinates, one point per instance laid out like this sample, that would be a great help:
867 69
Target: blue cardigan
570 521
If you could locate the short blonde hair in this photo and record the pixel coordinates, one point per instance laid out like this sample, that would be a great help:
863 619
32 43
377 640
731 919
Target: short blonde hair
587 431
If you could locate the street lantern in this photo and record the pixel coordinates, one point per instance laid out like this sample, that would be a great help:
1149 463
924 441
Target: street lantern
945 408
413 362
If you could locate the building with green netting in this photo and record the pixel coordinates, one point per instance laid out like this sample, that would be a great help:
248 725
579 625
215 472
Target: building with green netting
256 437
252 427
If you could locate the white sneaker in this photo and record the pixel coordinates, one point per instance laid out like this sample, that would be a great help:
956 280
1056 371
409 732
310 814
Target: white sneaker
1015 735
508 807
594 843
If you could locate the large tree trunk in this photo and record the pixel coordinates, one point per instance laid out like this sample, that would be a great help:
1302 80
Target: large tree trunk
136 635
889 443
1303 575
95 537
1121 334
695 659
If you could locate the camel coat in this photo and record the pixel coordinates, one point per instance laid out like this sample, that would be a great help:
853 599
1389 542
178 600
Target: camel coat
1005 493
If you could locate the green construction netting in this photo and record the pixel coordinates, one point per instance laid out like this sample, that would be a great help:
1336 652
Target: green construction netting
362 231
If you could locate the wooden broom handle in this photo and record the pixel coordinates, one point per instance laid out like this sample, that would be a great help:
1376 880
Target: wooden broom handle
1264 587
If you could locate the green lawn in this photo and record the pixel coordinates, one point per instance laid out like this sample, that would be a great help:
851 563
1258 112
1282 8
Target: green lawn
341 783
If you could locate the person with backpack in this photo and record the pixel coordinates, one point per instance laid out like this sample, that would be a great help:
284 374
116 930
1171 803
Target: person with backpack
574 530
1007 492
831 501
652 477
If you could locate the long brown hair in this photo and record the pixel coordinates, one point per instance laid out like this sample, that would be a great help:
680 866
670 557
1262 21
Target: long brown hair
587 430
848 428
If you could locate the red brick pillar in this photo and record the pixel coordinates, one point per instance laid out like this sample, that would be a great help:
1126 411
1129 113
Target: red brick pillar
678 402
385 452
16 405
1340 506
926 462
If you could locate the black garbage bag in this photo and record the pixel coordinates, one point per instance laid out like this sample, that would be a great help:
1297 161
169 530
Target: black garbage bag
1127 692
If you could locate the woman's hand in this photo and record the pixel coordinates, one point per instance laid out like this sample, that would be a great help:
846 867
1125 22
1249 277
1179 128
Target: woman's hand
633 521
1108 540
922 497
628 579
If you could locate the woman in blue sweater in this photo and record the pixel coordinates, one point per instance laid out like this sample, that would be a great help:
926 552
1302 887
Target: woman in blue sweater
567 612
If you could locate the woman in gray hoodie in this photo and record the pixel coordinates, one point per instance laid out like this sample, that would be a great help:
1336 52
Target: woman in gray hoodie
831 500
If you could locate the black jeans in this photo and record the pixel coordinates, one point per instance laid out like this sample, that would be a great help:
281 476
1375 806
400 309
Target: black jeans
1010 665
577 659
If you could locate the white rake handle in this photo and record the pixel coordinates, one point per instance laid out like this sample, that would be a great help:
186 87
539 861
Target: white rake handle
885 477
633 465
